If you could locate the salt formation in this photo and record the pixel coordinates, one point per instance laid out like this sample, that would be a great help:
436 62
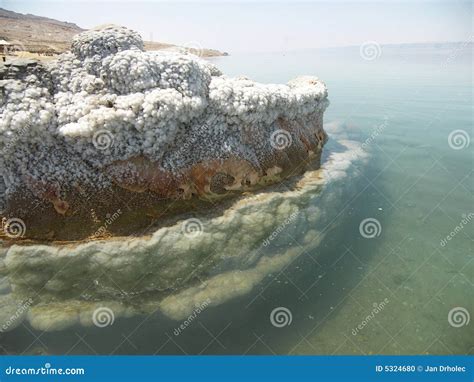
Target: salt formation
110 118
110 140
172 272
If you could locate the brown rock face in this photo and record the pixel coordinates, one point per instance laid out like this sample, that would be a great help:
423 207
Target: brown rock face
149 195
218 176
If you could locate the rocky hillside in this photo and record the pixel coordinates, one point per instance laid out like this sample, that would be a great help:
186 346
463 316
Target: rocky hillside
38 34
35 33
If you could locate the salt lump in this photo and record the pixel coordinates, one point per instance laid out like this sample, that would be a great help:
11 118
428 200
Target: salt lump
104 41
110 114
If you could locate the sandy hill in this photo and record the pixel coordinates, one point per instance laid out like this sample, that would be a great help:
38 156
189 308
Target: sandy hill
38 34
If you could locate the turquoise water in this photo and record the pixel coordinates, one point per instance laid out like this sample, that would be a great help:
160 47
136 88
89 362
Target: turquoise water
404 291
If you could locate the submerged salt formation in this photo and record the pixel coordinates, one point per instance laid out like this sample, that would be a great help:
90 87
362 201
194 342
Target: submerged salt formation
110 123
171 271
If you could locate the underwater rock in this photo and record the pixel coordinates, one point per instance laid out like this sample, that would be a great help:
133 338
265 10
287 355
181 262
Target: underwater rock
110 127
172 271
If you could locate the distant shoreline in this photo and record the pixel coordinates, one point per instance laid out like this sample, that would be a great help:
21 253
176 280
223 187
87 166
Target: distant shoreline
44 38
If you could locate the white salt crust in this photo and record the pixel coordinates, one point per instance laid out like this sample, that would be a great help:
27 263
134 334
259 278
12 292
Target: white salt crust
146 102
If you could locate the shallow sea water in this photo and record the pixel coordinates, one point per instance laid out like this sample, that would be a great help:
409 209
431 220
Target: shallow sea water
399 292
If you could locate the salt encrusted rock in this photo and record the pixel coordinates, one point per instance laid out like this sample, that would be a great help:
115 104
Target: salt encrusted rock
172 270
105 40
109 120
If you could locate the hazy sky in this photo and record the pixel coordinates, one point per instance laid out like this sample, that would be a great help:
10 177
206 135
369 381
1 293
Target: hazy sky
241 26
